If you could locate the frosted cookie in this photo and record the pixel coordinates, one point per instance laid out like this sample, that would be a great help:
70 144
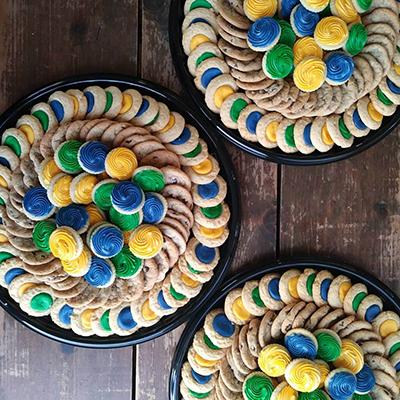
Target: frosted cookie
263 34
142 313
205 172
266 129
16 140
11 267
351 356
321 286
270 293
231 109
303 375
302 135
320 137
369 307
305 284
329 345
31 127
218 90
210 194
184 284
201 53
196 34
235 309
200 365
219 328
208 70
340 382
44 113
257 382
386 323
121 320
288 286
381 102
301 344
248 121
196 382
96 101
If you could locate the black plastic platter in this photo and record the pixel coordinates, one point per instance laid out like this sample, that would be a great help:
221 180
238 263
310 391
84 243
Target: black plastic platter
44 325
390 302
176 17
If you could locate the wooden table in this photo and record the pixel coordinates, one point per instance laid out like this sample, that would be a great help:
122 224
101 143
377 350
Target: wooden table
348 210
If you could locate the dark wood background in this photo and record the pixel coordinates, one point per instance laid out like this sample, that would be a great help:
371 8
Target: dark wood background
348 210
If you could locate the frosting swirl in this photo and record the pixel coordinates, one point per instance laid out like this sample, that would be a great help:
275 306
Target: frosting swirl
339 67
125 222
331 33
41 234
101 195
288 36
278 62
351 357
305 47
315 5
346 11
65 243
301 345
66 156
127 197
82 186
255 9
36 204
357 39
303 20
286 8
329 345
127 265
258 387
150 179
78 266
106 240
101 273
263 33
146 241
340 384
303 375
92 157
154 208
75 216
365 380
48 171
95 214
121 163
273 360
60 190
309 74
314 395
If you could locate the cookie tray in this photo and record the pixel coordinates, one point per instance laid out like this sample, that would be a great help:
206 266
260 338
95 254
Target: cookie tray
390 300
275 155
44 325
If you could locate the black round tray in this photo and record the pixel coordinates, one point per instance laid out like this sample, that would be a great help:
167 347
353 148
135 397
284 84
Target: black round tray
390 302
276 155
45 325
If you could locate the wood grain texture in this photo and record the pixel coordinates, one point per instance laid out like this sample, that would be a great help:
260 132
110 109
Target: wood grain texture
348 211
44 41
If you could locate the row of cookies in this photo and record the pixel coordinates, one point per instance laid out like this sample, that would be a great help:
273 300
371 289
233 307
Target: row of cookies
166 143
263 311
219 75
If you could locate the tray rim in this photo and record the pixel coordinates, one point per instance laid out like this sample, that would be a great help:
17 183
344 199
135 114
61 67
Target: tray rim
162 93
320 263
277 156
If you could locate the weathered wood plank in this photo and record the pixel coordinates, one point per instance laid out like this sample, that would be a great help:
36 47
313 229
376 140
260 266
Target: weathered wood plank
44 41
348 211
258 193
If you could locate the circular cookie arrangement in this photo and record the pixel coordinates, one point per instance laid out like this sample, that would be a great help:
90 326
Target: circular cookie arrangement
303 334
112 211
298 75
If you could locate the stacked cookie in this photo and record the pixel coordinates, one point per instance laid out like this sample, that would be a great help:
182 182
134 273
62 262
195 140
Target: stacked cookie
297 75
301 334
112 211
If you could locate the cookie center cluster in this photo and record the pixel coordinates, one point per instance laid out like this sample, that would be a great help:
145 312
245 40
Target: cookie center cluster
305 41
306 364
97 211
